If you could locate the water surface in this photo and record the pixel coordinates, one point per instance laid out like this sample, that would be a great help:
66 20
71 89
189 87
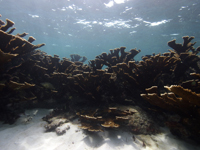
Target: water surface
90 27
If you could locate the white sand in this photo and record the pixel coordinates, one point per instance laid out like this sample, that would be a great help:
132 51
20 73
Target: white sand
32 136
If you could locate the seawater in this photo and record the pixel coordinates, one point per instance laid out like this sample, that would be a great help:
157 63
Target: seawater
90 27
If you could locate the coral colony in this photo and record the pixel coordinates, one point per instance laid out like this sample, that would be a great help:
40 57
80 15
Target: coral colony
160 90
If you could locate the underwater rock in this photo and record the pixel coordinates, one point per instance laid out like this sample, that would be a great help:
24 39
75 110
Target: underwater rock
58 120
62 129
54 123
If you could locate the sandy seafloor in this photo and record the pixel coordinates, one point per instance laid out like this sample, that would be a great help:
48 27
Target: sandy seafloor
32 136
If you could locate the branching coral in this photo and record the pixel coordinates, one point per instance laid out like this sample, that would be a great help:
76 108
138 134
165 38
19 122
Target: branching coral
182 101
15 44
14 87
101 119
90 85
107 118
6 57
185 47
146 73
187 54
19 86
5 27
76 57
118 55
186 94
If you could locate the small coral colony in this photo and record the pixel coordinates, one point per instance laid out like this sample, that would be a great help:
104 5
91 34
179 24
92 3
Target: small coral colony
138 96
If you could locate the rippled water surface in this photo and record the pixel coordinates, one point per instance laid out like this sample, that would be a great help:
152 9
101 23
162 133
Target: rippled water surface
90 27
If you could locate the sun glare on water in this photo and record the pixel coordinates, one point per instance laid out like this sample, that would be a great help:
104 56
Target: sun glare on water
112 2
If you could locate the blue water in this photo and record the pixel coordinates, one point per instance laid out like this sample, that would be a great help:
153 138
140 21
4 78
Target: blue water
90 27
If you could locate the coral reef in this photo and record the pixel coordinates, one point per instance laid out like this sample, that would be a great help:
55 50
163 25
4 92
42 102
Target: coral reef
102 99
